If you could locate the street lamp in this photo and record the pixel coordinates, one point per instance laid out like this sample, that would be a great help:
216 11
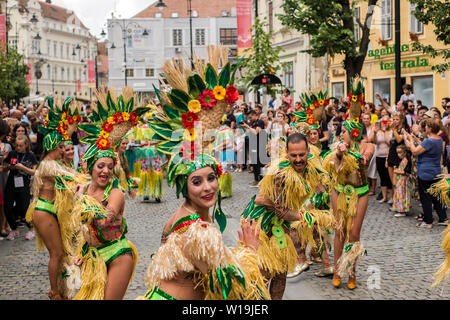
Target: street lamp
33 19
123 27
160 5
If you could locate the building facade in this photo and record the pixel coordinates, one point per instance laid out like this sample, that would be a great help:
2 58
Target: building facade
56 46
139 46
300 72
378 71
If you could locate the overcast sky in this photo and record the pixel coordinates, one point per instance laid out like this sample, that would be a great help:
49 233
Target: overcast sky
94 13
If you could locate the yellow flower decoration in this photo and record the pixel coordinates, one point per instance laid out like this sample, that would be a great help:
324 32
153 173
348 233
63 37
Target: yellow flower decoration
63 116
356 120
354 98
321 102
219 92
111 120
103 142
194 106
189 134
125 116
104 134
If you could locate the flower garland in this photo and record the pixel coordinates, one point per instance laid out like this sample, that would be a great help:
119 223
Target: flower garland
107 126
66 120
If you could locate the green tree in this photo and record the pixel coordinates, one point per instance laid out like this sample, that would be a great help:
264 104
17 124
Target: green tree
12 75
262 57
437 13
331 27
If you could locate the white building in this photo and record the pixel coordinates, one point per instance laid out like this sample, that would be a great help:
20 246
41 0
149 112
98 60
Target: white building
155 35
55 42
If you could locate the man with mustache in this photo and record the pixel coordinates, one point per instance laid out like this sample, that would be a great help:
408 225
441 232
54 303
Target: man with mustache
284 197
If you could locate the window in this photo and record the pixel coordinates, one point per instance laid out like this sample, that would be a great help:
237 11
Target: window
423 90
194 14
356 25
36 46
49 71
55 50
130 73
337 89
177 39
62 50
48 48
228 36
150 73
158 15
383 87
174 15
386 19
62 74
199 37
415 25
289 75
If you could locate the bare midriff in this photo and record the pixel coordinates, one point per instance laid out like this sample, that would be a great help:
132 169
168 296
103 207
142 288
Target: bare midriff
47 190
182 287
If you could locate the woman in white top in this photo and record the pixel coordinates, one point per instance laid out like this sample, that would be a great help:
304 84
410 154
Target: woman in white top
382 138
279 125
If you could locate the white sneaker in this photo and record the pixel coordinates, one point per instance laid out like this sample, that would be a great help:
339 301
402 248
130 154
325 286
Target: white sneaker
12 235
298 269
30 235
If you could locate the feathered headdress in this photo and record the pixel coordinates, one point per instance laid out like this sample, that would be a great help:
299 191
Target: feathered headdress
112 119
314 105
356 105
60 122
190 112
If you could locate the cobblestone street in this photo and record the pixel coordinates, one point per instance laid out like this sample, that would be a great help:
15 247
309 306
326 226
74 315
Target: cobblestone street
400 262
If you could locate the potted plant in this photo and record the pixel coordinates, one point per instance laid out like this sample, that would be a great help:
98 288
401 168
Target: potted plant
383 42
414 36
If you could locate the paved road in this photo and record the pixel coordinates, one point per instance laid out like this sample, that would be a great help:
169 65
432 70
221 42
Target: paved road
400 262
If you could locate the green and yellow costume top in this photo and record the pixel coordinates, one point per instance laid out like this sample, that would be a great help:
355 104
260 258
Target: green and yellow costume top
233 273
101 241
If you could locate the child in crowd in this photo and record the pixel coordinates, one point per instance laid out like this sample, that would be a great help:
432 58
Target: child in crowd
402 193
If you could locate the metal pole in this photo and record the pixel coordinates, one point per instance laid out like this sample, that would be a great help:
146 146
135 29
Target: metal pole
6 25
190 25
96 72
398 72
124 52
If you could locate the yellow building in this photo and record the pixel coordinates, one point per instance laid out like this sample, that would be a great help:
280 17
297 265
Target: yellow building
378 71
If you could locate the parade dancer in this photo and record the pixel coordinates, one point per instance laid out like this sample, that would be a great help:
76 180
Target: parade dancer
68 155
349 199
106 257
307 122
441 190
282 199
53 191
193 261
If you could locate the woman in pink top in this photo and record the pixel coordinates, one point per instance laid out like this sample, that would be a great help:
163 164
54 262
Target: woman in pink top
382 138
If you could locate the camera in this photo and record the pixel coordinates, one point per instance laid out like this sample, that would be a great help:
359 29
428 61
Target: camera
13 161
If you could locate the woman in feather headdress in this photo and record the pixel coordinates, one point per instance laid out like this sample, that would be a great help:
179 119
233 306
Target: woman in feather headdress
193 261
53 186
349 199
106 257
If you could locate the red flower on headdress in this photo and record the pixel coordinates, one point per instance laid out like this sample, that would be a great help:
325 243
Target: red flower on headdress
70 120
118 117
309 111
232 94
103 143
310 121
326 102
106 126
133 117
316 104
219 170
189 119
207 99
354 133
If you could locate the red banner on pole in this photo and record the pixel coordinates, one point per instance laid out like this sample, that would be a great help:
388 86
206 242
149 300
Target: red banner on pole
78 85
3 29
28 77
91 73
244 23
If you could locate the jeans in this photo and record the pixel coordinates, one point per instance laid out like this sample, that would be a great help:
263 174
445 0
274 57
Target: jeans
12 213
428 201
